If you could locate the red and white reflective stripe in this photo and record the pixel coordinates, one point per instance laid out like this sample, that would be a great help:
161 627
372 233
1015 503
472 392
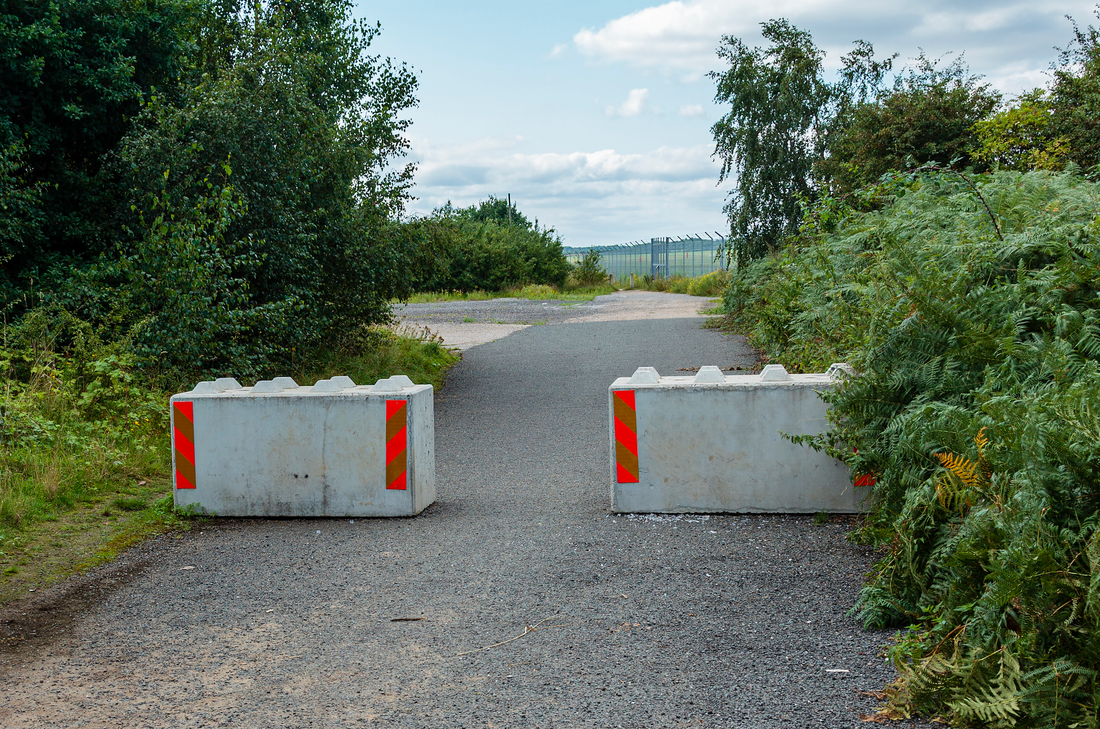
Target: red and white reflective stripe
397 441
183 441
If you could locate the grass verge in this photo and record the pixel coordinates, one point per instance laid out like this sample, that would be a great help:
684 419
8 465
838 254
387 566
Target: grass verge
533 292
712 284
83 478
85 526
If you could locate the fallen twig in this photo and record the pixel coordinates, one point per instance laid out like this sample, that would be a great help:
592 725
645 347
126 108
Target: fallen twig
527 630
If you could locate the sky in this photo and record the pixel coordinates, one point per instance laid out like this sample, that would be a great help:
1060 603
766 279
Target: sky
595 116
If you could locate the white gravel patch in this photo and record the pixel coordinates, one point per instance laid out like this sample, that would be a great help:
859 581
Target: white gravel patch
463 335
636 305
463 325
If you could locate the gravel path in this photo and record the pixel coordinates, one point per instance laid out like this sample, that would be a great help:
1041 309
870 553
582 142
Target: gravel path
658 621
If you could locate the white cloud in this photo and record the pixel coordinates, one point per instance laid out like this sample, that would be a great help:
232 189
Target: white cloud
682 36
679 34
634 105
692 110
591 198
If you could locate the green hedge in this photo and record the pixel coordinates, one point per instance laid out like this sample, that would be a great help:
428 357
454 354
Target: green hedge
458 254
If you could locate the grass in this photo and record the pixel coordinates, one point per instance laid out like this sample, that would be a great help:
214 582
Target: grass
80 484
67 510
379 352
712 284
533 292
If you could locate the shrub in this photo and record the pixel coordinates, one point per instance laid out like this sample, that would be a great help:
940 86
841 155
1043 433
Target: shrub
459 254
712 284
976 333
589 272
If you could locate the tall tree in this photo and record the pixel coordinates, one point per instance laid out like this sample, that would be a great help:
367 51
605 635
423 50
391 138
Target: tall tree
1075 98
778 102
292 141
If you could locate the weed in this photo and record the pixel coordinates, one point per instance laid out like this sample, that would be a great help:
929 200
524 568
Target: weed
712 284
129 503
572 291
821 518
375 352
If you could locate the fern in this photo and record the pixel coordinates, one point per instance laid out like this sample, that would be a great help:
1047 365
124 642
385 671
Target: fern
978 410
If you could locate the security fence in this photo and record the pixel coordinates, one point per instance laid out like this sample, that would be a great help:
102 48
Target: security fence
661 257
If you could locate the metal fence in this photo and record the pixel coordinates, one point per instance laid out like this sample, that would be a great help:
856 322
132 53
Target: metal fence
663 257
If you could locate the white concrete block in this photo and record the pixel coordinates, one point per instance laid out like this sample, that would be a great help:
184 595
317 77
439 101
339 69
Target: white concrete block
709 374
774 373
681 445
645 376
393 384
336 384
281 450
840 370
223 384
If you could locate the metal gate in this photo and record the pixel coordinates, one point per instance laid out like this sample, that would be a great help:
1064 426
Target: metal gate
658 257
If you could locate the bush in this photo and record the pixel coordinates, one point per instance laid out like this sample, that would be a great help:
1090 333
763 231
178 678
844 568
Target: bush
712 284
976 333
458 254
589 272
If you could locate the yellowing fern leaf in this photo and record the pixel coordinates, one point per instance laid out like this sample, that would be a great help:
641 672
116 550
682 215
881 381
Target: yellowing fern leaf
963 468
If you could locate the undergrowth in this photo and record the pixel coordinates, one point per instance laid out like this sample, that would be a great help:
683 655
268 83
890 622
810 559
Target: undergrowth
711 284
534 292
971 311
84 433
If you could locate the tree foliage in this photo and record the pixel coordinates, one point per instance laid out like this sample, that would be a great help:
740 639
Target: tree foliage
927 116
790 136
1048 129
778 101
308 123
1075 97
75 73
499 210
475 248
211 180
1020 137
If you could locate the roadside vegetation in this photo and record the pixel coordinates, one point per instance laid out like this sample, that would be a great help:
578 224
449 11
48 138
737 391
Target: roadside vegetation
711 284
490 246
84 444
531 292
946 243
165 219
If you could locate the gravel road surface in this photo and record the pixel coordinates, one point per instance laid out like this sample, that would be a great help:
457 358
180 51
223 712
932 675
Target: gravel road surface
595 620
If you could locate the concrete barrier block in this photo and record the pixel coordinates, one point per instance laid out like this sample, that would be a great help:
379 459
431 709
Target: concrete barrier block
278 449
709 375
645 376
697 444
840 371
336 384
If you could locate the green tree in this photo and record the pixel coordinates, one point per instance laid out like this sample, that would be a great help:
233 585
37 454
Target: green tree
74 73
311 125
778 102
927 116
500 210
1075 98
1020 136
